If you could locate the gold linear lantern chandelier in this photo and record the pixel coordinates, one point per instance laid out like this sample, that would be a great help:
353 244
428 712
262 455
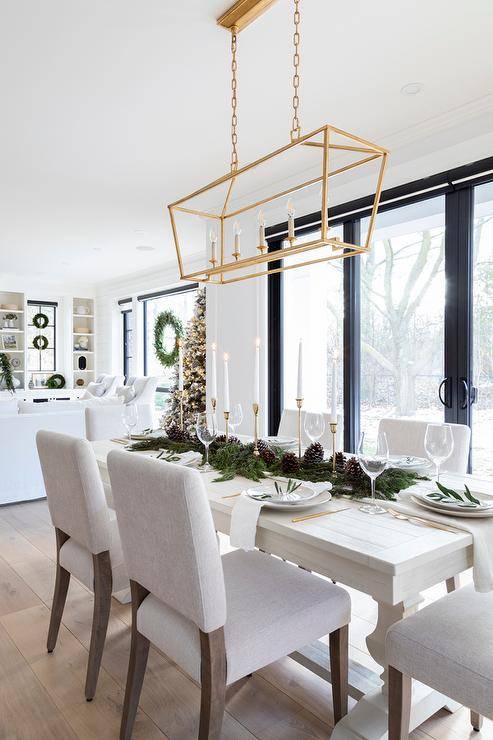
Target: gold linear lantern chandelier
229 216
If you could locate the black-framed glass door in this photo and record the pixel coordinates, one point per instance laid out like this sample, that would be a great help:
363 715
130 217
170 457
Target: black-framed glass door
418 310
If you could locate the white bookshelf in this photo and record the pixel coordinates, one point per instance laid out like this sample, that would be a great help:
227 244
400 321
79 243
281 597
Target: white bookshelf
83 342
14 305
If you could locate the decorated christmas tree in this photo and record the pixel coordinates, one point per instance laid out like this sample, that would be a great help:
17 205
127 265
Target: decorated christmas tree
194 348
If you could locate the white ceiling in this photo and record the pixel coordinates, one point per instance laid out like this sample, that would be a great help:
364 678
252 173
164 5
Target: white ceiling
113 108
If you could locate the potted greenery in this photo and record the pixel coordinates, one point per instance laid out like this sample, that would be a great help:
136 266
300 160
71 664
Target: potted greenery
10 321
6 374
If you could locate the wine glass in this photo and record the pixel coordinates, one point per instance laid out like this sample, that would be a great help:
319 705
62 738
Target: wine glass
130 417
439 444
235 417
314 426
206 431
373 457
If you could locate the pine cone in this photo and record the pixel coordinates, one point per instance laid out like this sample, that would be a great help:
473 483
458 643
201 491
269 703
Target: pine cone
262 445
353 469
174 433
340 462
232 440
313 454
290 463
268 456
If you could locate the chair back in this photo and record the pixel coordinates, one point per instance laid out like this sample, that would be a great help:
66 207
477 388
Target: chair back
74 489
168 538
145 389
288 427
407 437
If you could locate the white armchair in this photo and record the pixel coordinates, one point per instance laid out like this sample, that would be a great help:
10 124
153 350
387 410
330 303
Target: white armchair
105 386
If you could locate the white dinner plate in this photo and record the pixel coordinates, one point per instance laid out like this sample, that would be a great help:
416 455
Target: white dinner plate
283 442
451 505
305 497
408 462
466 514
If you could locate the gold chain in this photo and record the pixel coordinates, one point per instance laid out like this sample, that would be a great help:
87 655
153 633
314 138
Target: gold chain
234 101
295 126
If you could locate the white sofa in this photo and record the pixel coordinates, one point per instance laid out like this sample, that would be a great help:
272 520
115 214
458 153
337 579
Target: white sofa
20 476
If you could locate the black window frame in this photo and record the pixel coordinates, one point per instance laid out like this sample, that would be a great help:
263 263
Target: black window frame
39 305
457 185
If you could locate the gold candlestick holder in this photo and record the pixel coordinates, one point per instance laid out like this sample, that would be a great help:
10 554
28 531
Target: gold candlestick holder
255 407
333 431
226 424
299 403
213 404
181 409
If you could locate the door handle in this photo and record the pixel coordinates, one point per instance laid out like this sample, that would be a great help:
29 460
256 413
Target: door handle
465 393
444 385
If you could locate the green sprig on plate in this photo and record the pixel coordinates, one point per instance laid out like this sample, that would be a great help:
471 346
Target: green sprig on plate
448 496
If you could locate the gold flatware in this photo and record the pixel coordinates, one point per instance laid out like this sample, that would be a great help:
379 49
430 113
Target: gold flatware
232 495
424 522
320 513
119 441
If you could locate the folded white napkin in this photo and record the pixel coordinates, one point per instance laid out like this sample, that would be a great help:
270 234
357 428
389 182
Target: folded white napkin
190 459
320 487
244 519
481 530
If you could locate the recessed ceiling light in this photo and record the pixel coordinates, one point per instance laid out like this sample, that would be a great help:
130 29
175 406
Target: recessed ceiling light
145 248
412 88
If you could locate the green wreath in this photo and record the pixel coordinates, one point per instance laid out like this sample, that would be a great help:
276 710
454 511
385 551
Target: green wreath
41 321
55 382
165 319
40 342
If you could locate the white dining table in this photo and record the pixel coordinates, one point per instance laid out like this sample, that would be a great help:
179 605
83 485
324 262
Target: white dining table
391 560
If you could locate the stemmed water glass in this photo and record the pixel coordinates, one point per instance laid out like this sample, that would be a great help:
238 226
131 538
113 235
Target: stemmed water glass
439 444
235 417
314 426
130 417
206 429
373 456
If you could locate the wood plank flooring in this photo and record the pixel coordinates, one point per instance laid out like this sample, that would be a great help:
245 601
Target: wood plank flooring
42 696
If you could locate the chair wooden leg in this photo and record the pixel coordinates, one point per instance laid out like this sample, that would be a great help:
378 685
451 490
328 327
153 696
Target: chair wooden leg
62 582
213 680
103 584
476 721
453 584
399 704
139 651
338 646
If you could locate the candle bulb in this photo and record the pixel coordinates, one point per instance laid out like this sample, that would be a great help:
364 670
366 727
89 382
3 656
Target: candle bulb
256 373
299 392
261 231
237 232
226 383
213 242
214 372
290 209
180 366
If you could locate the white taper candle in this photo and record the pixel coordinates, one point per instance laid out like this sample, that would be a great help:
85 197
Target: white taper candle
256 373
299 391
226 384
213 371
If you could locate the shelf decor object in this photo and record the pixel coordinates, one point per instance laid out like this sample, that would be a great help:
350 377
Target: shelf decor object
233 227
55 382
83 342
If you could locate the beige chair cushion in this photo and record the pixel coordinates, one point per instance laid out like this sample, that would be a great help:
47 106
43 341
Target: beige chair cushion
449 646
78 561
273 608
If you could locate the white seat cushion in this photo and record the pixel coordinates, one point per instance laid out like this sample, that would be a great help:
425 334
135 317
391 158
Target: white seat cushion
273 608
78 561
9 407
449 646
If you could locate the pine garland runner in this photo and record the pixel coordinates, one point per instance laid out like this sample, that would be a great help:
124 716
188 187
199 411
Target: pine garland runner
6 373
235 459
194 350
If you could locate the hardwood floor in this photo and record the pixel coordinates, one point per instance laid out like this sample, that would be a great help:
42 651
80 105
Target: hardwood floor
42 695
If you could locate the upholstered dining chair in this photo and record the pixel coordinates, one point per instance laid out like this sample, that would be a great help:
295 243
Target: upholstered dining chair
447 646
407 437
87 538
219 618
